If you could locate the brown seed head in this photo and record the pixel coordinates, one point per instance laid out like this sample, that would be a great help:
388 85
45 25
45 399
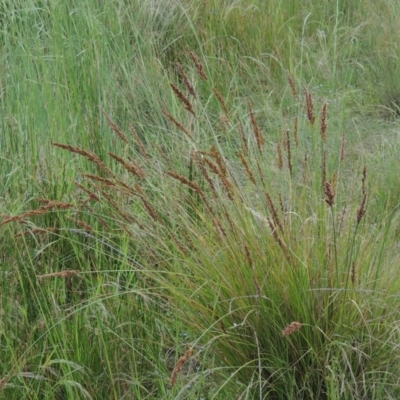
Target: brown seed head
197 63
330 194
256 129
292 328
310 107
186 80
324 124
292 85
221 101
186 102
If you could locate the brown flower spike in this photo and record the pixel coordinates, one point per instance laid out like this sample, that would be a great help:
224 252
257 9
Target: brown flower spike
292 328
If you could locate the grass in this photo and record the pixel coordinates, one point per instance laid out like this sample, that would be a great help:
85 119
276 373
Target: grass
199 200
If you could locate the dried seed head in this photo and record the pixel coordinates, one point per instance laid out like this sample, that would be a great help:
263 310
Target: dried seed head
353 273
293 327
324 124
256 129
280 156
61 274
330 194
310 107
186 102
197 63
247 167
362 209
138 141
221 101
179 365
115 128
177 124
363 180
292 85
129 166
295 132
186 80
289 154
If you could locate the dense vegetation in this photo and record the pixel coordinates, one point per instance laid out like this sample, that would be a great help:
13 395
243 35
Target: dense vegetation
199 199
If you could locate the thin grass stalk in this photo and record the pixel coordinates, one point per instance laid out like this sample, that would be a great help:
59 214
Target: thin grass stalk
360 214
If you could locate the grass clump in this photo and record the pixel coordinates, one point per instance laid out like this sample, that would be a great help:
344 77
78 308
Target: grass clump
215 223
262 245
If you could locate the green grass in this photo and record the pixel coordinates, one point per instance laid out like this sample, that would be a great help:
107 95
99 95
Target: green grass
218 247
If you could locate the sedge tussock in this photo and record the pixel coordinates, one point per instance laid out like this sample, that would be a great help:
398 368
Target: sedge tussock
177 124
221 101
292 328
115 128
256 129
139 142
186 80
324 124
310 107
186 102
61 274
129 166
247 167
197 63
179 365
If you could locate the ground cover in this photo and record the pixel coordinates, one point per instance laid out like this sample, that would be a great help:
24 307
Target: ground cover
199 200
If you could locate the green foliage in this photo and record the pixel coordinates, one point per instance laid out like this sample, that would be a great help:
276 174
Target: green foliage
197 245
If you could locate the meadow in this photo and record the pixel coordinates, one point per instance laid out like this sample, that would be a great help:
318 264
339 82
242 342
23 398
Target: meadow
199 199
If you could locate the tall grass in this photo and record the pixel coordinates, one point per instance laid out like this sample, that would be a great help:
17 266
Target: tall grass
262 249
198 237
